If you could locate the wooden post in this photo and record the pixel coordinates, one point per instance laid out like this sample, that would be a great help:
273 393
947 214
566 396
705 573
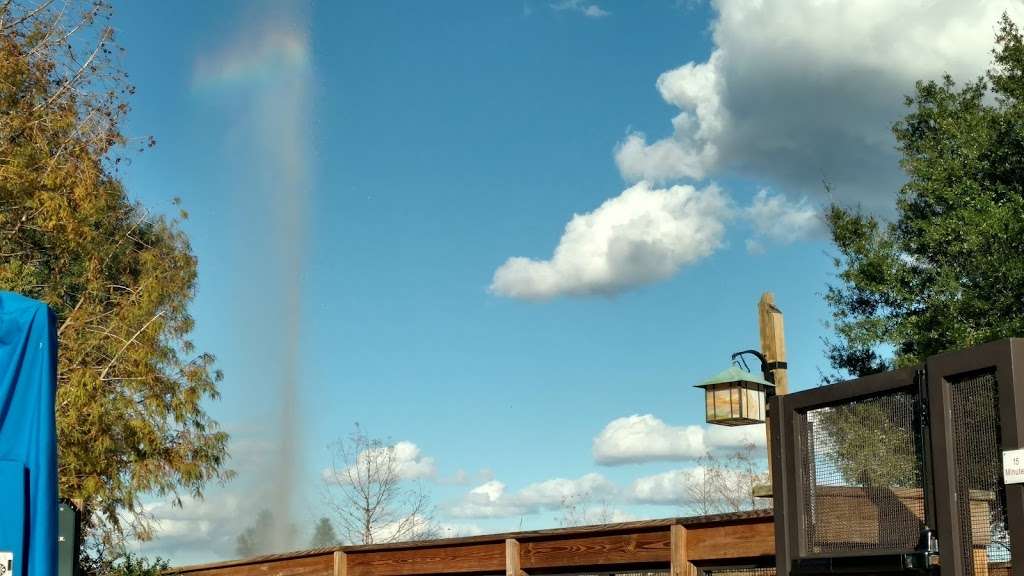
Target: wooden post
680 560
773 347
340 563
773 339
513 564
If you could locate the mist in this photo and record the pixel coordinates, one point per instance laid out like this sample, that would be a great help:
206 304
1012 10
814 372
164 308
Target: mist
262 78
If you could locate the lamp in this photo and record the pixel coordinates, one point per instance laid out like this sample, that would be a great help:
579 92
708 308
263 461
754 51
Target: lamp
735 396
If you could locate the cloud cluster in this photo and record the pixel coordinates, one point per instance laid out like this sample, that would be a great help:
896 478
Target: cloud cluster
197 531
646 438
491 500
628 440
643 235
592 498
797 91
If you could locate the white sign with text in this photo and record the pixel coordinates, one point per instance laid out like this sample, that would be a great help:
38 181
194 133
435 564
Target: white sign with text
1013 466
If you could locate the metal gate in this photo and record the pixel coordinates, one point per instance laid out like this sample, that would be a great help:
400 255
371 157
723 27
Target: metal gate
902 471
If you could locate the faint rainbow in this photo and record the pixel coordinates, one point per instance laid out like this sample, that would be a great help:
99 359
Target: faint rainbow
264 57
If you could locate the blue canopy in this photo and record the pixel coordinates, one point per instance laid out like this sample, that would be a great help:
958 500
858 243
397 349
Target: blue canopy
28 443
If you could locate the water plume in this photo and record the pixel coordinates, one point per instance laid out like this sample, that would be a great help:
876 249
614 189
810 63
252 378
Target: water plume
266 74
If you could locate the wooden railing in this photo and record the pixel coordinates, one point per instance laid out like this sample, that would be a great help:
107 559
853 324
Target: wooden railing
678 544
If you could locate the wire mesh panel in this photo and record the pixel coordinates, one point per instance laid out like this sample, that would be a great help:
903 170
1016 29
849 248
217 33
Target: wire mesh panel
655 572
982 496
862 488
737 571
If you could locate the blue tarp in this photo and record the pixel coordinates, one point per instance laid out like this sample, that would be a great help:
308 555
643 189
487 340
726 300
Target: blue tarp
28 443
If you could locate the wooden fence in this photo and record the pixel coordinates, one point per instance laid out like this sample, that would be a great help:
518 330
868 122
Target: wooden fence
679 545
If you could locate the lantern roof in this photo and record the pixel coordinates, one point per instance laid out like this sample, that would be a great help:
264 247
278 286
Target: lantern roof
735 375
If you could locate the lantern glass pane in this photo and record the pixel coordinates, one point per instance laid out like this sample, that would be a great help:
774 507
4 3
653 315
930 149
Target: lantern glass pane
719 404
725 403
754 404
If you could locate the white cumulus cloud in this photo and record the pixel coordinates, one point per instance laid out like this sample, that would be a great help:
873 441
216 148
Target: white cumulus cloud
643 235
646 438
552 492
672 487
777 219
695 89
797 91
732 437
491 499
408 459
412 464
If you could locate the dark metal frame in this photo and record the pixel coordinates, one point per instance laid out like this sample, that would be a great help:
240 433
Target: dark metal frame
932 379
1006 357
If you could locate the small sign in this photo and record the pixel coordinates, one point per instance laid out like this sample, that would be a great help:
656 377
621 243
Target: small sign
6 563
1013 466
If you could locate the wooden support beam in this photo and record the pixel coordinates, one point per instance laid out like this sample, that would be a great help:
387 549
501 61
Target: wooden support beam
773 339
340 563
680 560
513 560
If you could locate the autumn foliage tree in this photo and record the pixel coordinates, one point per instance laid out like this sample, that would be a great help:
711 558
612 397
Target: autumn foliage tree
131 384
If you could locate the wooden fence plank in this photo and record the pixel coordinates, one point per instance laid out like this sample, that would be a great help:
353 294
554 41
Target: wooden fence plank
322 565
730 542
433 560
641 548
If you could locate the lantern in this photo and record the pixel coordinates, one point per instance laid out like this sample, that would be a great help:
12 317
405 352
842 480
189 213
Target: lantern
735 397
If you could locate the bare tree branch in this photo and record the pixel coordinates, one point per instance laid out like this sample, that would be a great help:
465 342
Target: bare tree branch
368 496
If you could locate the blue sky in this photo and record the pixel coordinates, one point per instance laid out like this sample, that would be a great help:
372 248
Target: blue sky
361 176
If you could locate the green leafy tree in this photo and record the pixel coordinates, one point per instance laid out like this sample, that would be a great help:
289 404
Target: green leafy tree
948 272
869 447
131 384
266 536
129 565
324 534
256 538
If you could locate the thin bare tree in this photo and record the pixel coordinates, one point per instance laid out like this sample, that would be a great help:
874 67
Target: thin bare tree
370 499
584 510
726 483
739 474
700 494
